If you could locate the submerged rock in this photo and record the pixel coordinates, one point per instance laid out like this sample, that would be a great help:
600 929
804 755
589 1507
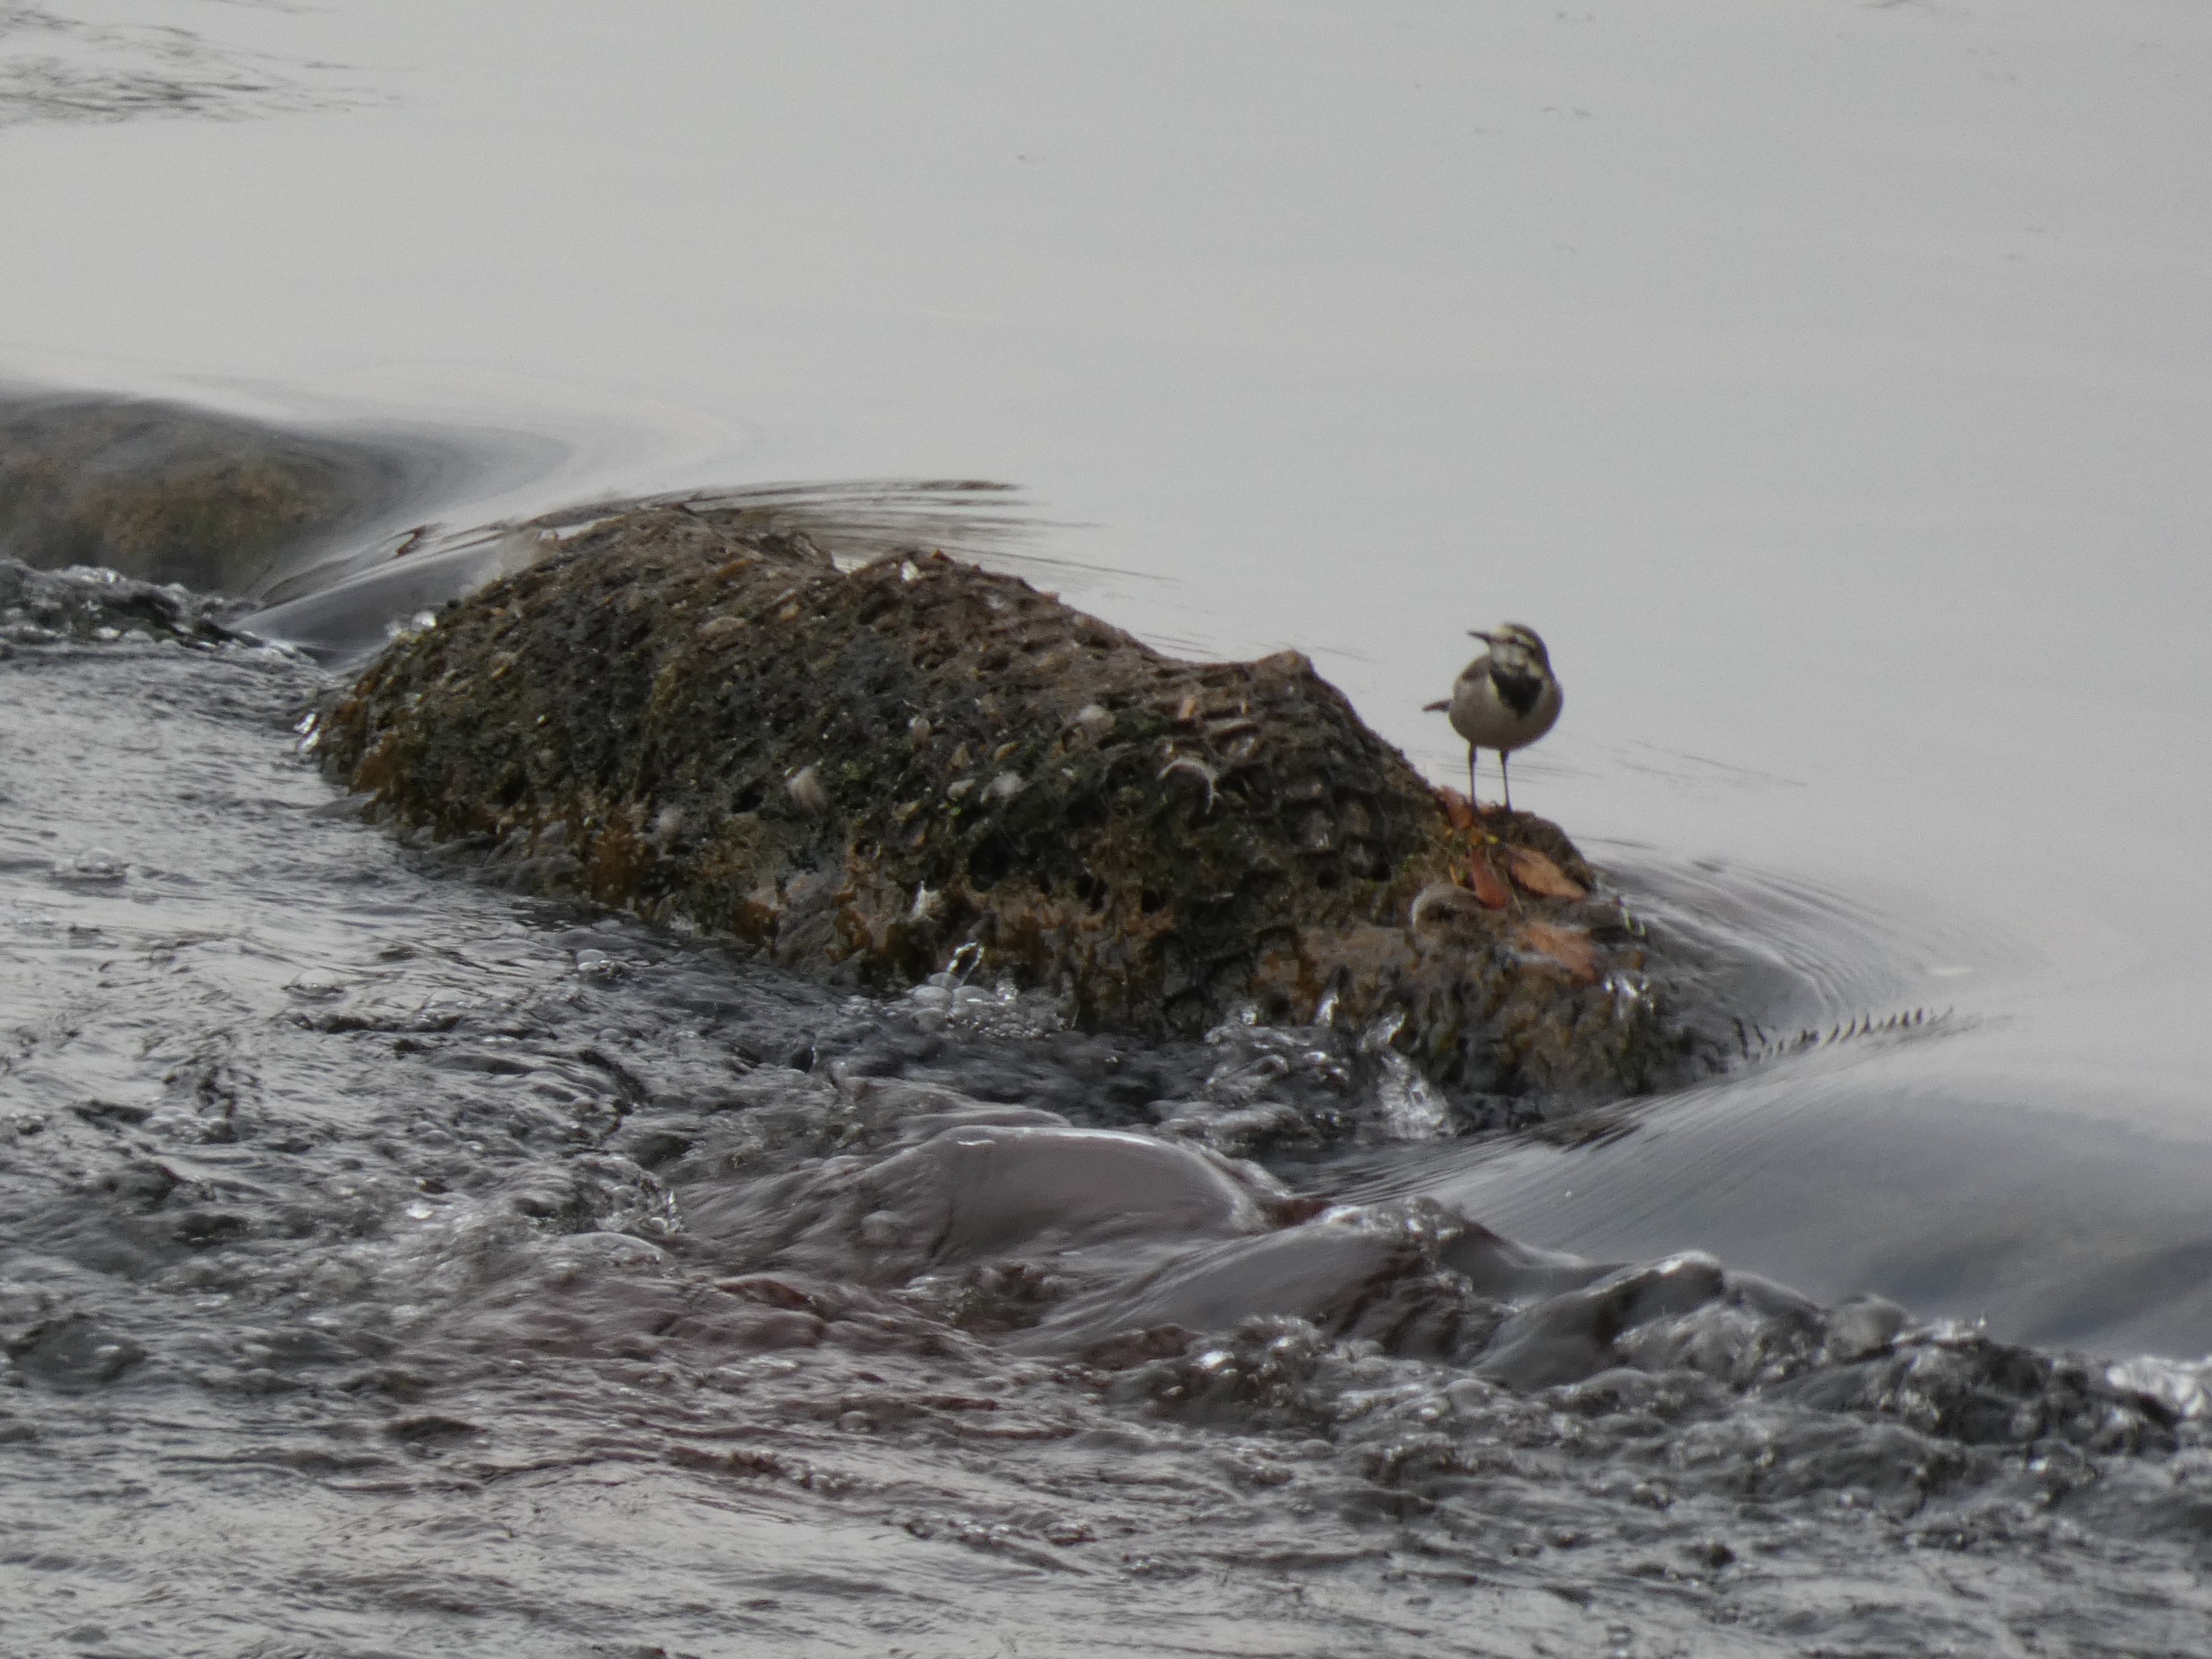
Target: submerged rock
169 494
872 773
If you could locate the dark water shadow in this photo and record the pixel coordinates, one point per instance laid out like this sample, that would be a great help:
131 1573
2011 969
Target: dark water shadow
1869 1140
1883 1169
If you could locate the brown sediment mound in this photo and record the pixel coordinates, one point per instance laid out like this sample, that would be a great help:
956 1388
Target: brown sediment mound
862 771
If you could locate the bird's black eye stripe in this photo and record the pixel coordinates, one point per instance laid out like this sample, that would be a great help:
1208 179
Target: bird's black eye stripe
1517 691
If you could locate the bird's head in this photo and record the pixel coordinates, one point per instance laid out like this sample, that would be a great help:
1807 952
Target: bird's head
1511 642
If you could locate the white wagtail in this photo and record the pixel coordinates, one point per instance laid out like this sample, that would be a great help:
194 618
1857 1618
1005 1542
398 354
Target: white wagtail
1505 698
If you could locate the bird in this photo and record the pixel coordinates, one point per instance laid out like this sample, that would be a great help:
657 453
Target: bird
1505 698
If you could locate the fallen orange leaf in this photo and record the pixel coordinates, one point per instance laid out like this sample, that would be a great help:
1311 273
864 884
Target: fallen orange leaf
1489 886
1459 812
1570 947
1538 874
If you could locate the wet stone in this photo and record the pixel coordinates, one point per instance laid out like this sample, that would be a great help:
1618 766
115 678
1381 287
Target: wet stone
88 605
918 774
172 494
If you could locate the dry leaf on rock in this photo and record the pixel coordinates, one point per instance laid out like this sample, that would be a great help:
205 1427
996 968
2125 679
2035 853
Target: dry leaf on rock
1534 872
1489 886
1570 947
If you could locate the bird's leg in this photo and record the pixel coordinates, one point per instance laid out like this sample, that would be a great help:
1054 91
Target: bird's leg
1471 806
1506 782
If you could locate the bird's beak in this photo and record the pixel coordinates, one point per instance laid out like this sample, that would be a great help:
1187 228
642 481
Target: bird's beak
1479 634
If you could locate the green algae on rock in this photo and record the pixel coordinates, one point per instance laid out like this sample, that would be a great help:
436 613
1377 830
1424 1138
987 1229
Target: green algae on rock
861 771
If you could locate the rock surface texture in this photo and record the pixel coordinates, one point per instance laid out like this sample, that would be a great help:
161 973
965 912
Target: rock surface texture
863 771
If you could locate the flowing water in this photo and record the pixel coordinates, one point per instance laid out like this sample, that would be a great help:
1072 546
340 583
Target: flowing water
392 1264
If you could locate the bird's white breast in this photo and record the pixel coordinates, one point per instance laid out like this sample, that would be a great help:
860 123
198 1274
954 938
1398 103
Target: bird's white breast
1488 721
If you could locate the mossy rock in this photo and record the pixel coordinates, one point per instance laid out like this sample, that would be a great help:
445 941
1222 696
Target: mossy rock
861 771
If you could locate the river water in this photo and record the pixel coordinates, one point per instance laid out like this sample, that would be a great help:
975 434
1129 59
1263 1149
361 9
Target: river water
397 1266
